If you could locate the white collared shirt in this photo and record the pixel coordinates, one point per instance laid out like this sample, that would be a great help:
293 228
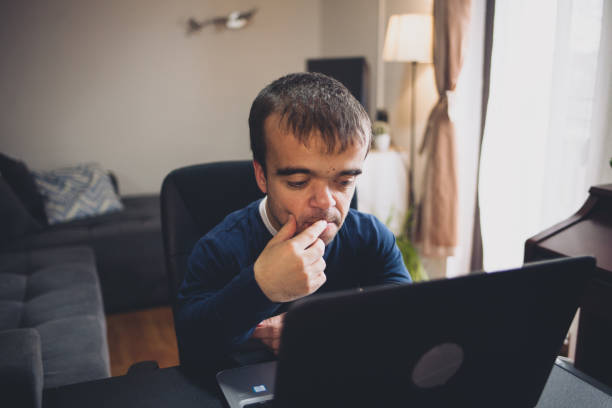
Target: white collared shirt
263 212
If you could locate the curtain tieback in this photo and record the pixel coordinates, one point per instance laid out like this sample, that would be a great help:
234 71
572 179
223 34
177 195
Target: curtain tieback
443 108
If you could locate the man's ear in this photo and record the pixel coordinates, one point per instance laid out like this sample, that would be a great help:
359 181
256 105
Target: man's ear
260 177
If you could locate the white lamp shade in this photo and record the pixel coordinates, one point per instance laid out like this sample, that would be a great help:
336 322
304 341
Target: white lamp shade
409 38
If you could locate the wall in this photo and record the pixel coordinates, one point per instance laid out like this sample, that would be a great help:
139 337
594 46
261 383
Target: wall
349 28
119 82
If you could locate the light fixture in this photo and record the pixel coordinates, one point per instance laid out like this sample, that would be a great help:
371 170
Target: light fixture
409 38
234 21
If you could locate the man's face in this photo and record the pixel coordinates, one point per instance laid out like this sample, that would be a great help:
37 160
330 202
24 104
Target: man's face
307 182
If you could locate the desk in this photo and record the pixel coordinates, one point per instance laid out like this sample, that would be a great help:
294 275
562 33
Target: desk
176 387
568 387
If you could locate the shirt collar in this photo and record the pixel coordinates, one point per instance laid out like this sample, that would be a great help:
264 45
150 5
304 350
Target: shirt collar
263 212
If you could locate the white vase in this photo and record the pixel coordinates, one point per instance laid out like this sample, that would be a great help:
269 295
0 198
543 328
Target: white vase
381 142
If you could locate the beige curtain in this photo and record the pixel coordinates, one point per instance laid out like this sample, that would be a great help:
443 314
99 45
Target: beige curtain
436 218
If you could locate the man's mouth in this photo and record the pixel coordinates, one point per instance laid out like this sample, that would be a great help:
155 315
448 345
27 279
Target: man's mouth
330 222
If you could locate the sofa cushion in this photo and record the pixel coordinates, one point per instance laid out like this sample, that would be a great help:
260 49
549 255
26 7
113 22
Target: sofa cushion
77 192
13 286
74 350
27 262
75 300
49 237
21 371
15 219
11 312
22 182
51 288
57 292
72 275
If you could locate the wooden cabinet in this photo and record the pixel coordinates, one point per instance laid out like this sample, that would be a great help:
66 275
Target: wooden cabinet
588 232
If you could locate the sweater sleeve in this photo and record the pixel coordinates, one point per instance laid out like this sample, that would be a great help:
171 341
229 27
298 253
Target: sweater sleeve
219 303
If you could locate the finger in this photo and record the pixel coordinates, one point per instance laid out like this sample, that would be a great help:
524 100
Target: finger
314 252
256 333
263 323
316 268
262 332
317 281
267 322
267 342
307 237
286 232
276 321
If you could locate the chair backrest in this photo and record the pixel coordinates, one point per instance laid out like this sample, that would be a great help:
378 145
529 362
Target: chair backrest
193 200
196 198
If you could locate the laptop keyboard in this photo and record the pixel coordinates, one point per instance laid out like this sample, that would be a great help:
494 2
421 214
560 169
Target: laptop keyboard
261 404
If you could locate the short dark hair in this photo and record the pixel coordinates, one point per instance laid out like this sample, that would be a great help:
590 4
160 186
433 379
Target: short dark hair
308 102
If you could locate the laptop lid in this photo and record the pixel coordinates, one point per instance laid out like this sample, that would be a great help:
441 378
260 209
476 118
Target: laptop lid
480 340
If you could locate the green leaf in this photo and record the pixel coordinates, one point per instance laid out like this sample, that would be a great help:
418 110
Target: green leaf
412 260
409 252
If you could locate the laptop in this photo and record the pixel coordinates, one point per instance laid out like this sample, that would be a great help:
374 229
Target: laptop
480 340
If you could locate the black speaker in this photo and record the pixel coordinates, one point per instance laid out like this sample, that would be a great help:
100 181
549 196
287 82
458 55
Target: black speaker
352 72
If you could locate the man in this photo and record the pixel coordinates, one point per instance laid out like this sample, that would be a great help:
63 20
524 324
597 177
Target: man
309 138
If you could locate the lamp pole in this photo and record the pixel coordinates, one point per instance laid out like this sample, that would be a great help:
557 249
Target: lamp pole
409 38
411 168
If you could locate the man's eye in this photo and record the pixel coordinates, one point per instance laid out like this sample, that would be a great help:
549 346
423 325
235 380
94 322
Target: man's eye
346 182
296 184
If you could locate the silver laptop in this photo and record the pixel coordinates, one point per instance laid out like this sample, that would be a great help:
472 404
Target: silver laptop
480 341
248 385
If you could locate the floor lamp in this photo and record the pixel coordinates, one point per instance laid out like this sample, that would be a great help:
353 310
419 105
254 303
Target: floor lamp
409 38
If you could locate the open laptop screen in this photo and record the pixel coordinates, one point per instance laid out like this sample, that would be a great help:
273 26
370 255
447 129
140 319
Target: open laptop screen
480 340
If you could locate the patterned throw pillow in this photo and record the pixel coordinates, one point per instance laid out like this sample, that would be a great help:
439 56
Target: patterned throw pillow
77 192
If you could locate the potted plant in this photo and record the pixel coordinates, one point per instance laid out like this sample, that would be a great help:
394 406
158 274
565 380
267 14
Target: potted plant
382 138
409 252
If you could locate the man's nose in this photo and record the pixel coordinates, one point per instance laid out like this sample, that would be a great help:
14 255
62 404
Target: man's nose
322 197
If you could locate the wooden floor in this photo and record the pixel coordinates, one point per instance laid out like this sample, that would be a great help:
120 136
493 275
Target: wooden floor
140 336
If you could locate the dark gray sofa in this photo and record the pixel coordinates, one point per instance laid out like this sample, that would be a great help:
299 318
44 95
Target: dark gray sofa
52 326
127 244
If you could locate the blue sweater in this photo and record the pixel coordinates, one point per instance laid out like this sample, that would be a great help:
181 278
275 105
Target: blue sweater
220 303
